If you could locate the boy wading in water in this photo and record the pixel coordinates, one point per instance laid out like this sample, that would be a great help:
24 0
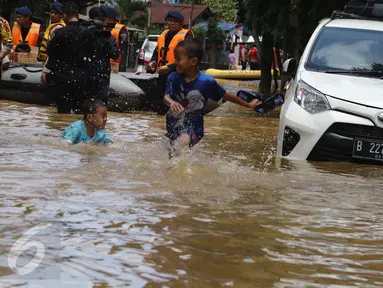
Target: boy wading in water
91 128
187 91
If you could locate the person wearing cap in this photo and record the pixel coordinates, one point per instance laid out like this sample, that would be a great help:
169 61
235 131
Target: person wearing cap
57 22
106 49
70 62
163 59
24 30
120 32
6 43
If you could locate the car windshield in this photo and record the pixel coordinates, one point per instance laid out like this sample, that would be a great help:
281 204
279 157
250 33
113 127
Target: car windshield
351 50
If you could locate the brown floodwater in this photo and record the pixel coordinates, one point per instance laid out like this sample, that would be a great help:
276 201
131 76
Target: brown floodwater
226 214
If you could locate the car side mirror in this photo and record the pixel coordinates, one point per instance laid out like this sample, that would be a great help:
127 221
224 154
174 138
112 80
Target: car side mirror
289 67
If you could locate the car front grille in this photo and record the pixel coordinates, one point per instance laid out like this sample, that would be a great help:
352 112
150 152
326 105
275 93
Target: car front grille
337 143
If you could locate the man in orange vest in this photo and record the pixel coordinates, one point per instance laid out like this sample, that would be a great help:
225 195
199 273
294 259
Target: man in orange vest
163 59
25 31
120 32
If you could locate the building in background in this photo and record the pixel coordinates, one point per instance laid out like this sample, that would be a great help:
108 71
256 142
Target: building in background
198 15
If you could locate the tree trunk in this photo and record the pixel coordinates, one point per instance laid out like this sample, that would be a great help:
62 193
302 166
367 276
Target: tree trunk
213 56
265 63
275 71
279 62
256 40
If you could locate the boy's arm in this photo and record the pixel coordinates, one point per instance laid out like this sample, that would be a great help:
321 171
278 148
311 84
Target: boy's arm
107 140
70 135
234 99
174 105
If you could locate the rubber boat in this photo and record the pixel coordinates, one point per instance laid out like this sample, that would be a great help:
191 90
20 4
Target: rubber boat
21 83
127 91
148 83
236 74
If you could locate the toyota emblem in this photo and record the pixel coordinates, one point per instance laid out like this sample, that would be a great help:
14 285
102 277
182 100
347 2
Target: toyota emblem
380 117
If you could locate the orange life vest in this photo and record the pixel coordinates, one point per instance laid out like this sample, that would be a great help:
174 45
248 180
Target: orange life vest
32 37
116 33
170 58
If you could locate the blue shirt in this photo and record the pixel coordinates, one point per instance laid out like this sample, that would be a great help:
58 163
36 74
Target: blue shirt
193 96
76 133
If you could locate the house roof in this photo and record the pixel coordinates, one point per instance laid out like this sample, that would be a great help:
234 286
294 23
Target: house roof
159 11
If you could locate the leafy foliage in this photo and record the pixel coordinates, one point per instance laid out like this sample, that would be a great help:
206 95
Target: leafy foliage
156 29
215 34
292 20
223 10
267 16
130 10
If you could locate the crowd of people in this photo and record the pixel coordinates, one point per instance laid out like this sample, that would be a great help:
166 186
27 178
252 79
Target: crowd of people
77 69
77 55
186 91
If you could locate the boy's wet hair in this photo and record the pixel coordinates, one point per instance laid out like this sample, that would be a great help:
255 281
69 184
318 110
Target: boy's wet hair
91 106
193 48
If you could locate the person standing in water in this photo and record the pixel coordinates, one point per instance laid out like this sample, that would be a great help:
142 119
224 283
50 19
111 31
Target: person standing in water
244 57
57 20
120 32
71 62
163 59
106 49
91 128
187 92
253 58
232 60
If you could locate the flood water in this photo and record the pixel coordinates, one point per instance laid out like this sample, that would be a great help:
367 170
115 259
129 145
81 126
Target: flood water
227 214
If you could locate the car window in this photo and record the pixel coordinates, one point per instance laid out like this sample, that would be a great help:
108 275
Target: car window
150 46
347 49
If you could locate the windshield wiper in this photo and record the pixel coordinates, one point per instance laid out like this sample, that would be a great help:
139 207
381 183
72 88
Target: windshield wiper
356 72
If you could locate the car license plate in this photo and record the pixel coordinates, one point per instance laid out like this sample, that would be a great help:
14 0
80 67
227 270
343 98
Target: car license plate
368 149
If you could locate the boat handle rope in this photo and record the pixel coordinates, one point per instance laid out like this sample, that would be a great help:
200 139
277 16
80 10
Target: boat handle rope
25 68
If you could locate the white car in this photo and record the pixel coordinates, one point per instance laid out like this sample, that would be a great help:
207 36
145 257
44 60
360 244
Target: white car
146 52
333 109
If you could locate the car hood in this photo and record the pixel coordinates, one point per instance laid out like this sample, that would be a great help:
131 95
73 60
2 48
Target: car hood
361 90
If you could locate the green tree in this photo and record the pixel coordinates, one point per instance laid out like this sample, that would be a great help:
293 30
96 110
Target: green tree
132 10
212 36
293 21
223 10
266 18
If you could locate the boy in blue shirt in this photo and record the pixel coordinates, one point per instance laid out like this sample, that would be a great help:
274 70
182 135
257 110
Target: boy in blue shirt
91 128
187 92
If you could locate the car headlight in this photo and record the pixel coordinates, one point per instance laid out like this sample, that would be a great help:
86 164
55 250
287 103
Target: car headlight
310 99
